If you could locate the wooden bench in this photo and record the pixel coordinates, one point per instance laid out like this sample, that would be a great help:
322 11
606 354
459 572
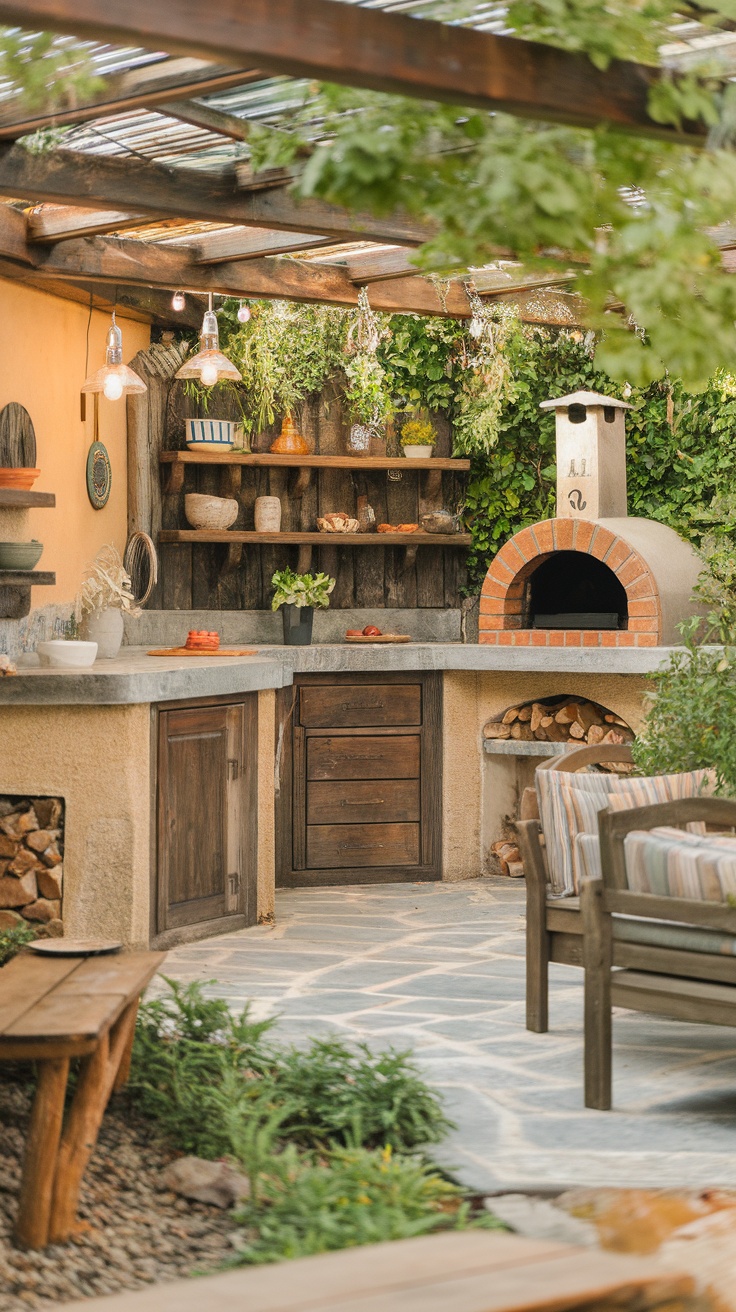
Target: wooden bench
663 980
51 1010
471 1271
554 928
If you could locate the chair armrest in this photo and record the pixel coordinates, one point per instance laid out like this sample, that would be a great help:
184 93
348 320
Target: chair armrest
532 854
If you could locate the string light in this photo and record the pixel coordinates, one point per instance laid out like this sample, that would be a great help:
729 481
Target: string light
243 312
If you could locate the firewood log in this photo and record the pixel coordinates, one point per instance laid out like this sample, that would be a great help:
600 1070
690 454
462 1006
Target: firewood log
577 730
538 712
496 730
510 715
587 715
525 714
595 734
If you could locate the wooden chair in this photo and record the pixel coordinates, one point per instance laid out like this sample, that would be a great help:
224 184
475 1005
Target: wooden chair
664 980
554 930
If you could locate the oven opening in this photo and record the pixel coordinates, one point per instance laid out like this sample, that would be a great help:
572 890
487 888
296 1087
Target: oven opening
573 590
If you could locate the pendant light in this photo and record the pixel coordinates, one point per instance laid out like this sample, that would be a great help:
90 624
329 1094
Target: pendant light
114 379
209 365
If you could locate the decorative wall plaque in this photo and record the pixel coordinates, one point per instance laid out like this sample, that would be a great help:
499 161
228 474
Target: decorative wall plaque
99 475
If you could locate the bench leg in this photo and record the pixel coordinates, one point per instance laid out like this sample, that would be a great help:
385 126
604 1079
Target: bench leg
42 1146
598 1026
124 1067
96 1080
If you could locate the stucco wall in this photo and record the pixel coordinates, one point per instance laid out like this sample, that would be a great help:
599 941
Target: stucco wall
98 760
474 792
42 365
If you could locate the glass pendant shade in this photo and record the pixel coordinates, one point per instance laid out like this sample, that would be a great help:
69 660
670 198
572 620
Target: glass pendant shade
209 365
114 379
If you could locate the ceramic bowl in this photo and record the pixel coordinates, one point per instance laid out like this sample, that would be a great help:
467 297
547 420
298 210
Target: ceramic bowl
210 512
63 654
21 478
20 555
212 434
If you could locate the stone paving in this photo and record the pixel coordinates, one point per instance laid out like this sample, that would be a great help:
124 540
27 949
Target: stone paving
439 968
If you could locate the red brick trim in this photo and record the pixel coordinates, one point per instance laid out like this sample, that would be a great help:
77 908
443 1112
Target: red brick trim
503 588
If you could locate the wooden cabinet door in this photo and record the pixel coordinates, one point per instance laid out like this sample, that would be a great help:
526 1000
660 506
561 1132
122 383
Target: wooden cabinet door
202 820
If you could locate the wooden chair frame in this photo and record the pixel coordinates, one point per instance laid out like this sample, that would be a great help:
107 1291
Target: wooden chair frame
554 929
690 986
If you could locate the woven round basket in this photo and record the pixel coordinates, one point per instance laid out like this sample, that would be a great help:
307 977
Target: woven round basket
210 512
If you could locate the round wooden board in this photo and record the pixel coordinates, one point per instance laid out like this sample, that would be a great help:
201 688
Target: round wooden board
75 947
383 637
17 437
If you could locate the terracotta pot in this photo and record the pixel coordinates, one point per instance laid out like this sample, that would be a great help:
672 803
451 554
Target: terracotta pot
21 478
268 515
289 441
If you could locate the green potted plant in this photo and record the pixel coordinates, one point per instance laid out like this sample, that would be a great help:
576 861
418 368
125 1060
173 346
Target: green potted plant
299 594
418 438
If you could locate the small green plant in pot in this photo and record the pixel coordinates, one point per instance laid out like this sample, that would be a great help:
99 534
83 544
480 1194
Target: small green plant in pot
299 595
418 438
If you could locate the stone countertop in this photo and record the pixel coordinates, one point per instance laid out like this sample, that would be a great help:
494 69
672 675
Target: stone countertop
134 677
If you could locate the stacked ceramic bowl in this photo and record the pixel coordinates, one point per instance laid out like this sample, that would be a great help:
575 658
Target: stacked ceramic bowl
210 512
20 555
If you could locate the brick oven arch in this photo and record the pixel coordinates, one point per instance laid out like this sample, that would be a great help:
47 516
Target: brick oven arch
502 595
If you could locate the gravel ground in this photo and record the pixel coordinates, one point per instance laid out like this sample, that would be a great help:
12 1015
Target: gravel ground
134 1233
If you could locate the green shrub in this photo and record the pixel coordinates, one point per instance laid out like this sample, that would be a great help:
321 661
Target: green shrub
353 1196
12 940
193 1062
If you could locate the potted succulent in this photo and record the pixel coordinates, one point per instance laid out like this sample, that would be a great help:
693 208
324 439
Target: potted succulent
418 438
299 594
104 596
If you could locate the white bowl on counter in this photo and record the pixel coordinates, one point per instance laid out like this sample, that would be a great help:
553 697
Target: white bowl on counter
61 654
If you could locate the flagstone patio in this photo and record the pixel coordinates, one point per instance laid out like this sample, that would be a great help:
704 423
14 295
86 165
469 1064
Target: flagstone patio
439 968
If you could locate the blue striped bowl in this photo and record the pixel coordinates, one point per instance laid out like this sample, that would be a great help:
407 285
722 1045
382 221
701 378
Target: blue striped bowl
215 434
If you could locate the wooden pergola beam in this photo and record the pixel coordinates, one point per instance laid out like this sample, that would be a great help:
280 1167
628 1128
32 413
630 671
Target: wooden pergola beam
58 223
136 186
252 243
141 88
202 116
146 304
364 47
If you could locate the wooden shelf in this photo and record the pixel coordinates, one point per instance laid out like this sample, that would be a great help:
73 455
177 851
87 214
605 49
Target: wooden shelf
12 498
264 459
232 536
27 578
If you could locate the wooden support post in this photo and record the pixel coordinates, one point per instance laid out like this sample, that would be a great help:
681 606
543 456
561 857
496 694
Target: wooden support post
304 562
175 481
537 936
301 483
234 557
42 1147
124 1067
232 480
598 960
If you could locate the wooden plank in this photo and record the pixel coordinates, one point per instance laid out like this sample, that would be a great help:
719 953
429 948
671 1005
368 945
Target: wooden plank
153 84
386 52
58 222
362 801
250 243
403 1274
325 540
52 1017
204 116
277 207
12 499
143 304
27 578
332 847
364 705
376 266
390 757
317 461
710 915
126 972
25 981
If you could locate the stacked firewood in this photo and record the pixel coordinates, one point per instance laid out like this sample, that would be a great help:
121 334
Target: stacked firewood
565 719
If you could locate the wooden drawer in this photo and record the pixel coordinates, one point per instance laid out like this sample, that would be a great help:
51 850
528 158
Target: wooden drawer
333 847
349 706
361 757
364 801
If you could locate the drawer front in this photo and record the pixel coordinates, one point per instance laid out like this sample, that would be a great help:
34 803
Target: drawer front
332 847
362 757
349 706
363 802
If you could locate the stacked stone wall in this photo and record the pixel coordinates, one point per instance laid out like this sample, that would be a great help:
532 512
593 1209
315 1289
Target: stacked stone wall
31 863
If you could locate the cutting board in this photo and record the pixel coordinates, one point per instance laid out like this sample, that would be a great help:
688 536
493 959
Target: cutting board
17 438
384 637
185 651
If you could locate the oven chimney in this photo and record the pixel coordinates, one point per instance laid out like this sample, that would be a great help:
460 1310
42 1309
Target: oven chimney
590 438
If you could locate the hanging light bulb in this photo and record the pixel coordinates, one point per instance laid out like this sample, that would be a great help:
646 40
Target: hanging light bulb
209 365
243 312
178 301
114 379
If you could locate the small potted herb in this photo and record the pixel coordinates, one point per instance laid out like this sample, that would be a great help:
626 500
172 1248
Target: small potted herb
418 438
299 594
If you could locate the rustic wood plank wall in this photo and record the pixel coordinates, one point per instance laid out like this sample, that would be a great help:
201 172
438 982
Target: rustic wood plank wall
198 577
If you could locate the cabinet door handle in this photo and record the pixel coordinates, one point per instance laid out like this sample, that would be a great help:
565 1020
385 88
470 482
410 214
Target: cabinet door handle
360 847
373 801
363 706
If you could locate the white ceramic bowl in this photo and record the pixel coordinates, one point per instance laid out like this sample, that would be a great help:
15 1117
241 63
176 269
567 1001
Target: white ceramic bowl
204 511
63 654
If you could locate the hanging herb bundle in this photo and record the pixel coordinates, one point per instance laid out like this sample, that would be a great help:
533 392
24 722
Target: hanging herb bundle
487 379
366 392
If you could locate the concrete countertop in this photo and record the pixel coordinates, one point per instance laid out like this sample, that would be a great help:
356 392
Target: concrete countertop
134 677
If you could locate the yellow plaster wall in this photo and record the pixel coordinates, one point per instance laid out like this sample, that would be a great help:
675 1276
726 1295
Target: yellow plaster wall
42 365
99 760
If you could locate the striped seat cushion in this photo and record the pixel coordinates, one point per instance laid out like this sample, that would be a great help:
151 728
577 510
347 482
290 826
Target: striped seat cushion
669 863
667 934
569 805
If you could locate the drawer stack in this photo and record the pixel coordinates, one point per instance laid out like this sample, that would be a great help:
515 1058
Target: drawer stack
365 767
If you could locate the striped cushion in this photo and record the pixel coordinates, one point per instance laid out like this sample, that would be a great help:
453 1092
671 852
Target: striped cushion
587 857
673 864
667 934
569 804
